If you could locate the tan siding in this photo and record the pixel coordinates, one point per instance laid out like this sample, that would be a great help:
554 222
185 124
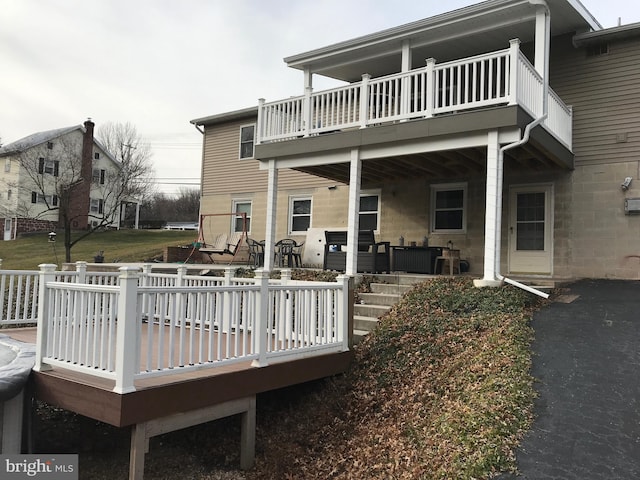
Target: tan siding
605 98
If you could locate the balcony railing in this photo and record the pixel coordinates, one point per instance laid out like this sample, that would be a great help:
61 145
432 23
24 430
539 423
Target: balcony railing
504 77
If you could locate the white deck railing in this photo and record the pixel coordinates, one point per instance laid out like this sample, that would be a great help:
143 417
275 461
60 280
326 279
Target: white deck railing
141 324
504 77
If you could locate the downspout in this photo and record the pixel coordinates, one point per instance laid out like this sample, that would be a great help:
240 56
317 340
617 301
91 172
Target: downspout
522 141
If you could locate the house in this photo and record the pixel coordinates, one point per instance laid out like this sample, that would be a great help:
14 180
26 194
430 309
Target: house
508 129
37 168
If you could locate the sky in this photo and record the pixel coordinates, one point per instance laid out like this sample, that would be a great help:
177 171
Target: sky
160 63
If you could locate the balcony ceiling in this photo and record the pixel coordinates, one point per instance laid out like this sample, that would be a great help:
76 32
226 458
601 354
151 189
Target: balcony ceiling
449 165
480 28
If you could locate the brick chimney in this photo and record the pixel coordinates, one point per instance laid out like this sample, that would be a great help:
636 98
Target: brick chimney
81 192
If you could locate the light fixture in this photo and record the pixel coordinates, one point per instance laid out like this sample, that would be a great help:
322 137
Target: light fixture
626 184
52 237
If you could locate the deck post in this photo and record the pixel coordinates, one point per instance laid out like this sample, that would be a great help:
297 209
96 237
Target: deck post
127 332
262 318
81 270
307 111
514 59
47 274
430 79
181 271
364 100
342 312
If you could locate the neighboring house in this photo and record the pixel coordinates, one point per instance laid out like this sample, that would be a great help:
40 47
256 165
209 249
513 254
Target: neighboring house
507 128
33 170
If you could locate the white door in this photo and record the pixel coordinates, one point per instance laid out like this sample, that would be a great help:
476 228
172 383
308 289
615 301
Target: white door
7 229
531 229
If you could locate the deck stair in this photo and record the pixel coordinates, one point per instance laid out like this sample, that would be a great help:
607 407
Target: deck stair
384 294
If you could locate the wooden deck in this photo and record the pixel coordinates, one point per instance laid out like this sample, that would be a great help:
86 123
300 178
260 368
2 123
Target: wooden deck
162 396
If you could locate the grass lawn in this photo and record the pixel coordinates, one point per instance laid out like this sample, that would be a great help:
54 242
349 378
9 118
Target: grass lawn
118 245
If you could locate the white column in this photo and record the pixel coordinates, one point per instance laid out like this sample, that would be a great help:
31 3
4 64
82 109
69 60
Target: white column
272 200
492 222
137 215
47 274
355 174
541 42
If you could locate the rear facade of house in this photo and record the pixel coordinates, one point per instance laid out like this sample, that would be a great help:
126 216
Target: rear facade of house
466 151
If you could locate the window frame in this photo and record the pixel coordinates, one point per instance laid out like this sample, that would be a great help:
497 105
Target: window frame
371 193
292 200
99 207
48 200
234 208
253 142
98 175
448 187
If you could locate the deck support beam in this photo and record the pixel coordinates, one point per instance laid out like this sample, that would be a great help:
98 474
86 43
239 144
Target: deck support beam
142 432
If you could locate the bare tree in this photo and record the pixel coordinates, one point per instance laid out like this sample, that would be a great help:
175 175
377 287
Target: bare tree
123 141
65 189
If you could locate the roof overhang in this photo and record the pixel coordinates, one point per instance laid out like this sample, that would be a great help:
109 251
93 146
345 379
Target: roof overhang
236 115
486 26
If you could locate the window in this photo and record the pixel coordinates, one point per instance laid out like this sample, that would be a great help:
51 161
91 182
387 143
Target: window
96 156
50 145
247 134
239 207
448 208
49 200
597 50
299 214
369 214
8 194
7 165
98 176
48 166
97 206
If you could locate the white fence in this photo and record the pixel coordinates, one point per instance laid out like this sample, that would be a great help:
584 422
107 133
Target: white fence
497 78
138 324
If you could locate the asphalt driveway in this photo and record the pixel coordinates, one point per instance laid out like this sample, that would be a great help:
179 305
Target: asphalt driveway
587 365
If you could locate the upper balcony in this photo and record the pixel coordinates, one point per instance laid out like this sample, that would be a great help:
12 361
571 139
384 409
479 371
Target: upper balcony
499 78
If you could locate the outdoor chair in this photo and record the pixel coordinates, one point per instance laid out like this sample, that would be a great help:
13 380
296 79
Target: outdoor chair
256 253
288 253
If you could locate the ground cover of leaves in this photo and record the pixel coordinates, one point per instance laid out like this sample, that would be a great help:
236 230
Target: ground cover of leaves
440 390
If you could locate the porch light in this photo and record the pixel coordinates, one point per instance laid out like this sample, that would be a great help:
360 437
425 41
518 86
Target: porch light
52 237
626 183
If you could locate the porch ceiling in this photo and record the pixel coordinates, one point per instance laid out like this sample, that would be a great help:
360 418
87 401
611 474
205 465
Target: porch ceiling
442 165
479 28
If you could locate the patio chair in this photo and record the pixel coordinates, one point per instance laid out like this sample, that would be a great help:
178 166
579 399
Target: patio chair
256 253
287 252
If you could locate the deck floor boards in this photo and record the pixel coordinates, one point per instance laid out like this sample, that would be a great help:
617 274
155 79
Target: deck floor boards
163 395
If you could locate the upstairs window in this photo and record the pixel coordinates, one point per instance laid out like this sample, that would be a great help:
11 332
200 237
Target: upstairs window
50 145
448 208
96 156
50 167
369 214
300 214
7 165
49 200
98 176
247 136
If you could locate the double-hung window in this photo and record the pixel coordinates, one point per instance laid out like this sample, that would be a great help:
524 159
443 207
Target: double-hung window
241 207
449 208
49 200
97 206
247 137
299 214
98 176
369 213
48 166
